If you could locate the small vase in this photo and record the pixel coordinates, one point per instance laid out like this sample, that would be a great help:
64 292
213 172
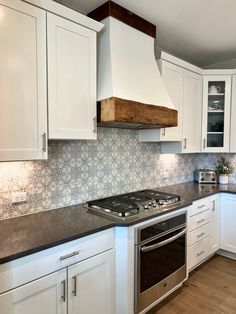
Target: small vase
223 178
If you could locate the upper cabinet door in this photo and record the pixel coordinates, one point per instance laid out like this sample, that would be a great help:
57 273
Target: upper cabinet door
71 80
192 112
216 113
23 101
173 78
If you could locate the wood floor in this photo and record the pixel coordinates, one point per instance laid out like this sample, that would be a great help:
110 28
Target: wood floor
209 289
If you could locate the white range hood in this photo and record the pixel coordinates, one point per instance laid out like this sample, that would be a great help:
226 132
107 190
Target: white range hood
127 71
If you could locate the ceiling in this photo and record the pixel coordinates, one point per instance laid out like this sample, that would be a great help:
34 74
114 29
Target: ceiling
202 32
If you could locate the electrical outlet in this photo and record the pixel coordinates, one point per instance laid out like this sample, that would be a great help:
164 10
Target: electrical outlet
18 197
165 175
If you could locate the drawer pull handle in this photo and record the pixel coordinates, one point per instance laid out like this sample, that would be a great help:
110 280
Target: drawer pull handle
201 206
200 221
200 235
214 206
74 291
200 253
62 258
63 295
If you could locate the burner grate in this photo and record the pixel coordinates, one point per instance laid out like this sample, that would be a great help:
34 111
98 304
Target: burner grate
130 203
116 204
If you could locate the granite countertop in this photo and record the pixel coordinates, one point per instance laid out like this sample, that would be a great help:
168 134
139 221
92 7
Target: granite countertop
29 234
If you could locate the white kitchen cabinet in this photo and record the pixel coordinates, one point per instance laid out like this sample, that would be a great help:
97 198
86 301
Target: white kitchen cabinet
71 79
90 290
192 112
216 113
185 89
172 76
203 230
44 282
228 219
23 110
45 295
233 117
91 285
191 117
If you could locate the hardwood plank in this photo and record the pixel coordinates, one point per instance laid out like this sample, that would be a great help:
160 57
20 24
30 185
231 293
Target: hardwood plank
210 289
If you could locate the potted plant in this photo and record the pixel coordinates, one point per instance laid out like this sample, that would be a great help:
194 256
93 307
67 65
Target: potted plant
223 169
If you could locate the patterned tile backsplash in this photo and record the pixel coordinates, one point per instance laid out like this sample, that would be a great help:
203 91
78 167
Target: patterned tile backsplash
77 171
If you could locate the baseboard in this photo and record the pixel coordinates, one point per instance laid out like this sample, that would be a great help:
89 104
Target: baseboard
226 254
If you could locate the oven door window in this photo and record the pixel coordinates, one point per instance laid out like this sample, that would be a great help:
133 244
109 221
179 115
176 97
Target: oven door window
157 264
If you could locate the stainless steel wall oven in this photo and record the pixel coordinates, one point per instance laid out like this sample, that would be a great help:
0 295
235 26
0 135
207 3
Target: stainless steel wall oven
160 263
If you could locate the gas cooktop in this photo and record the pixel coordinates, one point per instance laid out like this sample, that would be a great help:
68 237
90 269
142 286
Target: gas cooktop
128 205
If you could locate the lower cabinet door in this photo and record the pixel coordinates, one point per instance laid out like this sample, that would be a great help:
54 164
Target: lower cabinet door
91 285
228 218
46 295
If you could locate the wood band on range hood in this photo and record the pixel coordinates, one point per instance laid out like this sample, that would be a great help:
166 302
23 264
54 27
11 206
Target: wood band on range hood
123 113
113 9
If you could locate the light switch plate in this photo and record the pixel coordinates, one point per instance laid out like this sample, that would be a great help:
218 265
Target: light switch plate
165 175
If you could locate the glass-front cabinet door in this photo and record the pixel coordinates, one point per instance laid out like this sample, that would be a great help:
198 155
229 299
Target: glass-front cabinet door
216 113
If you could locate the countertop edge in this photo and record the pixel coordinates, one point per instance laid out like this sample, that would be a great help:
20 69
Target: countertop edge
53 244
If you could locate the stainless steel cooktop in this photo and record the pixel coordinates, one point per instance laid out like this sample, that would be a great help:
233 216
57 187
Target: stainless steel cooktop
128 205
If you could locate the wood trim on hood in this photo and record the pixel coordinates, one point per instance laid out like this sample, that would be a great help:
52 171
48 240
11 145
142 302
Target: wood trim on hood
113 9
123 113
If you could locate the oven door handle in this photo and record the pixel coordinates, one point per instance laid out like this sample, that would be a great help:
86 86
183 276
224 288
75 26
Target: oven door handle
145 249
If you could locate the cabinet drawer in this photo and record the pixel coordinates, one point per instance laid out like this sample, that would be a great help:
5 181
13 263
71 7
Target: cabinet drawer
198 234
198 220
31 267
198 252
199 206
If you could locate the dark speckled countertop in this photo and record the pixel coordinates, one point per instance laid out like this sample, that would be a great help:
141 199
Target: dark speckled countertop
25 235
